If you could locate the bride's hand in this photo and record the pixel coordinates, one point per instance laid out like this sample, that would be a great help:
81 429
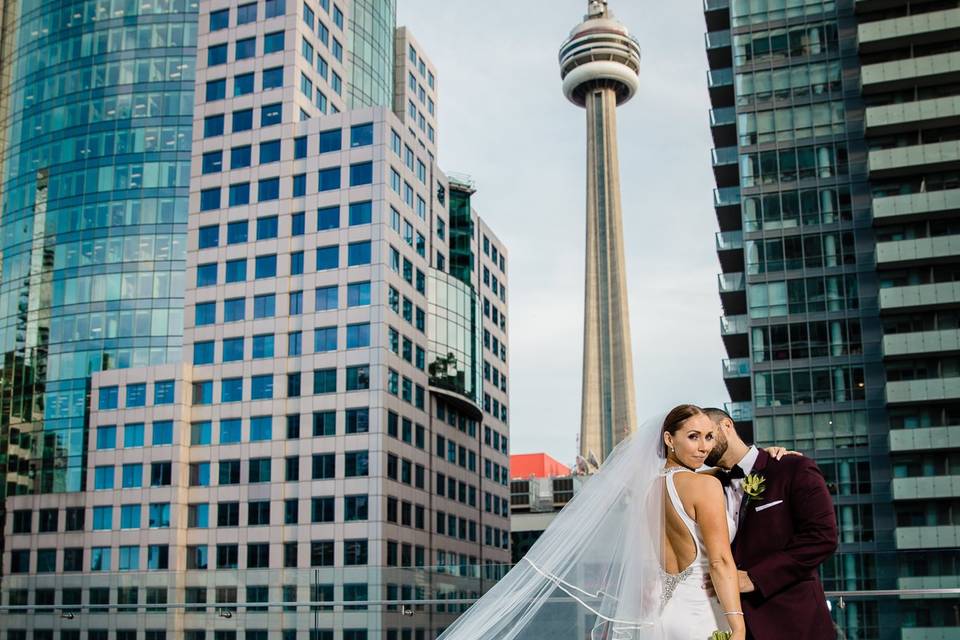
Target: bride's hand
778 452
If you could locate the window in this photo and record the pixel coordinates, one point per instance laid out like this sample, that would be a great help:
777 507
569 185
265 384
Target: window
162 432
265 266
242 120
269 151
259 470
322 509
337 17
202 392
246 48
325 339
296 303
324 423
199 474
263 346
159 515
358 378
236 270
239 194
270 114
335 81
103 478
136 395
210 199
219 19
328 257
217 54
261 387
361 173
243 84
308 15
354 552
232 349
208 236
328 218
294 385
294 343
326 298
358 335
203 352
100 559
216 89
360 212
272 78
358 420
296 264
324 381
337 49
299 185
298 223
306 85
234 309
272 42
330 140
106 438
264 306
230 431
355 508
102 518
160 474
329 179
258 557
323 466
247 13
361 135
129 558
358 253
206 277
213 126
227 555
229 472
240 157
274 8
358 294
306 50
268 189
231 390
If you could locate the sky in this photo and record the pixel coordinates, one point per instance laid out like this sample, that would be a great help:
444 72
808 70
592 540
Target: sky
503 120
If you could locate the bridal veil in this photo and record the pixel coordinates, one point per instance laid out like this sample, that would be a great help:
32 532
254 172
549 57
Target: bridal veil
595 573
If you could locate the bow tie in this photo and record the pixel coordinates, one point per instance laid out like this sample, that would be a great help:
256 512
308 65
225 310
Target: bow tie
736 472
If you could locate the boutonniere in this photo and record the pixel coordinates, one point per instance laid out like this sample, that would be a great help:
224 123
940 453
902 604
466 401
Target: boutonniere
753 486
721 635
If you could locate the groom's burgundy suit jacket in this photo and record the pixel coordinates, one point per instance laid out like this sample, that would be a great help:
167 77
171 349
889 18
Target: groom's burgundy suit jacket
781 545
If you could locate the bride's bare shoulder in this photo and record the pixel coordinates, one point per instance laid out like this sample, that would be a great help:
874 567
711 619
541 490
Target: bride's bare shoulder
698 481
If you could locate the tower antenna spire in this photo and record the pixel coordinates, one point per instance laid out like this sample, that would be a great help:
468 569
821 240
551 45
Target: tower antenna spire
596 8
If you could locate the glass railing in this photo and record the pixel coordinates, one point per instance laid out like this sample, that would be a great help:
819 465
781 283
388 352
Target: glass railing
736 368
723 116
739 411
731 282
726 197
720 78
729 240
715 5
732 325
717 39
724 156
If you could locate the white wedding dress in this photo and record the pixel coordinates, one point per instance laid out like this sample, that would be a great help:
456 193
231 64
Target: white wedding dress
689 613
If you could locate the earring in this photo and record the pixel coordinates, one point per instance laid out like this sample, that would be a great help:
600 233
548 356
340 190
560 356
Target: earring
672 450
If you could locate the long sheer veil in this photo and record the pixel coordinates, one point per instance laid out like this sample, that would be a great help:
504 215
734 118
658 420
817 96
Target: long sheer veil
595 573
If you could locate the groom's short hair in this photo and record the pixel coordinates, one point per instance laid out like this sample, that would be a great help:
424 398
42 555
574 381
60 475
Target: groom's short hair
717 415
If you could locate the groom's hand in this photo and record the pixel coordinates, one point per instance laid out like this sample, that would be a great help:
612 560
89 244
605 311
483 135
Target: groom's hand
746 584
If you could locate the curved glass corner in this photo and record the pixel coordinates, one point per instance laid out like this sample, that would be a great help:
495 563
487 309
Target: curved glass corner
372 25
453 342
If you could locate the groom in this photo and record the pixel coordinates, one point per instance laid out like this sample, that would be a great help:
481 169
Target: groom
784 533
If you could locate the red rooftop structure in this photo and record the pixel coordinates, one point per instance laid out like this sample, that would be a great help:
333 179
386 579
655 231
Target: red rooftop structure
537 465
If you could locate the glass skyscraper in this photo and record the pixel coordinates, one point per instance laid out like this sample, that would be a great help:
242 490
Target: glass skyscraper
97 118
835 132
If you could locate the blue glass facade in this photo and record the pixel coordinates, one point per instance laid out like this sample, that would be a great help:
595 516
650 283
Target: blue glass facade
372 25
96 171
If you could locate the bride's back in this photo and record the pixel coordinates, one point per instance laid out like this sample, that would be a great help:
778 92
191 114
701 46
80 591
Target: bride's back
679 546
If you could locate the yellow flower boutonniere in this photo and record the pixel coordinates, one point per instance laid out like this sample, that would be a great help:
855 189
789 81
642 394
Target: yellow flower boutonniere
754 485
721 635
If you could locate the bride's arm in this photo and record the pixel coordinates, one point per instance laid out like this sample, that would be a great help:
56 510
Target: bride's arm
711 516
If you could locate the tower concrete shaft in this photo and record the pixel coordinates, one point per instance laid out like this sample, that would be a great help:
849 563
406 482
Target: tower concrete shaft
608 409
599 65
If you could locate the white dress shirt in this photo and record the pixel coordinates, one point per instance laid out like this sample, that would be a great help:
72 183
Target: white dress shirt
734 490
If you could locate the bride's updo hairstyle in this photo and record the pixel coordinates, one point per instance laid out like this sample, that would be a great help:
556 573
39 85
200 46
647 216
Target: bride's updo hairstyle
674 420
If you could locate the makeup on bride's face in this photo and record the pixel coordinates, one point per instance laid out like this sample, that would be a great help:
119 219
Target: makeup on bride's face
693 441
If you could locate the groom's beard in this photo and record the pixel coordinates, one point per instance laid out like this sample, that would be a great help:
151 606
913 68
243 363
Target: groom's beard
716 453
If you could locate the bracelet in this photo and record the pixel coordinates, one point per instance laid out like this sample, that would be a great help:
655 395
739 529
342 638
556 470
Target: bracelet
733 613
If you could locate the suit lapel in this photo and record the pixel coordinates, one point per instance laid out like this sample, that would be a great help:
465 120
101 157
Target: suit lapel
758 467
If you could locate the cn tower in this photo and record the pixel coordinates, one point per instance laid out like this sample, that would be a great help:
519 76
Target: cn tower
599 65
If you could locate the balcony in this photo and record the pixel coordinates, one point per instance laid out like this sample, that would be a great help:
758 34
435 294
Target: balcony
925 438
921 343
926 488
726 171
733 293
926 390
723 126
920 296
734 331
896 209
736 375
717 14
906 116
903 252
730 250
736 368
933 537
897 161
726 197
720 83
922 28
740 411
942 68
719 54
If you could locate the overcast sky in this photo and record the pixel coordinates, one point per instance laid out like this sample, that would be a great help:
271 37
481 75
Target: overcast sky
503 120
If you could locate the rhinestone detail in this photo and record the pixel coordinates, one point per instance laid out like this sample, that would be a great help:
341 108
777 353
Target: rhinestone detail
670 584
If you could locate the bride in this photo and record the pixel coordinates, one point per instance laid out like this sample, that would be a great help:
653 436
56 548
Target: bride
627 558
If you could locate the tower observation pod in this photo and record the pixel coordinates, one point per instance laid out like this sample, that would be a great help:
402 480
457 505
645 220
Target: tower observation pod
599 65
